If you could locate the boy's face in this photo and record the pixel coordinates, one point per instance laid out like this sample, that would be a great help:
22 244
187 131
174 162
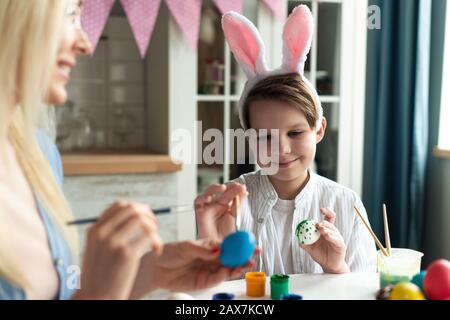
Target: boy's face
296 142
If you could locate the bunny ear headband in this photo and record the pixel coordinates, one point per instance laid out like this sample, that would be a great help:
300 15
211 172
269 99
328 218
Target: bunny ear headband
247 46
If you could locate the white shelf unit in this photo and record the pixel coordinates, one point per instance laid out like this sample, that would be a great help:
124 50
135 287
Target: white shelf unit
228 98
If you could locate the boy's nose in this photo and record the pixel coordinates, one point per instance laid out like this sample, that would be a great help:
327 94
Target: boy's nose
285 146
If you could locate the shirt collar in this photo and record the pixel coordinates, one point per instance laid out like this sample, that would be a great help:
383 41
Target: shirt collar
271 196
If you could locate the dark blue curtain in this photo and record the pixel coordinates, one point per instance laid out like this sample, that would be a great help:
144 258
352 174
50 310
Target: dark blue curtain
397 107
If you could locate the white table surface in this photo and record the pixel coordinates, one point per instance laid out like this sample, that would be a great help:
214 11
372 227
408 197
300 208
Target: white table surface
349 286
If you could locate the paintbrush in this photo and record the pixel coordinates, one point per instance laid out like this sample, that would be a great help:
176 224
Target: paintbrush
173 209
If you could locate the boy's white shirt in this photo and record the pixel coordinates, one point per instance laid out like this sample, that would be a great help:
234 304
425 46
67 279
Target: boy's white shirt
282 213
257 216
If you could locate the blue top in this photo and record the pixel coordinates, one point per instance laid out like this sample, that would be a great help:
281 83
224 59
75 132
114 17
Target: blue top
61 254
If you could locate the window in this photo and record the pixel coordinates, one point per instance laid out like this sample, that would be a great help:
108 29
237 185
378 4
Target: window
444 126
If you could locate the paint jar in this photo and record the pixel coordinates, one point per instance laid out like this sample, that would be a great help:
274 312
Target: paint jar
223 296
291 296
255 284
279 285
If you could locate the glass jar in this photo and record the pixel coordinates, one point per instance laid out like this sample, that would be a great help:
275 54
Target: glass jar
83 132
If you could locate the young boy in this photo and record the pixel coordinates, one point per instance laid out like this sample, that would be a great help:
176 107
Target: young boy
284 100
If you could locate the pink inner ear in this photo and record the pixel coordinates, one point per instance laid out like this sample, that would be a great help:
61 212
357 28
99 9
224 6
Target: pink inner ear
297 34
242 42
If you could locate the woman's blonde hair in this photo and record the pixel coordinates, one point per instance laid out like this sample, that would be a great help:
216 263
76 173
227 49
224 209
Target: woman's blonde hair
30 35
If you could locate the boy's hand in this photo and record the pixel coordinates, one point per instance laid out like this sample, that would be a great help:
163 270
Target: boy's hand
215 212
329 250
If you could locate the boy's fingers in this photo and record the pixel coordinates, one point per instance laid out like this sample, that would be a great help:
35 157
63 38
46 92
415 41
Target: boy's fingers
328 226
331 234
209 193
335 242
329 215
305 247
331 237
214 188
233 190
201 200
325 232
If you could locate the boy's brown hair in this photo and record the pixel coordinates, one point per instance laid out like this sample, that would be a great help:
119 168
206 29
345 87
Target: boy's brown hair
289 88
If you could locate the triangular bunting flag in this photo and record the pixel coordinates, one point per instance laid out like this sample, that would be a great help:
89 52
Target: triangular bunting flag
142 16
229 5
276 6
187 16
93 18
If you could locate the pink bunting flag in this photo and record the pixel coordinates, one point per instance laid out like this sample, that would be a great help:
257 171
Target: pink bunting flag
277 7
229 5
93 18
187 16
142 16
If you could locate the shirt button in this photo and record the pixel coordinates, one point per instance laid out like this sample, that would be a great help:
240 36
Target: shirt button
60 261
260 220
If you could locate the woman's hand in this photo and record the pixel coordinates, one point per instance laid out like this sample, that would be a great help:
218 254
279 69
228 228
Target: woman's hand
329 250
216 216
115 245
184 266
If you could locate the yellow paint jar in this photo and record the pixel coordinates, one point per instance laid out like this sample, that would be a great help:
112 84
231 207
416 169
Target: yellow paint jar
256 284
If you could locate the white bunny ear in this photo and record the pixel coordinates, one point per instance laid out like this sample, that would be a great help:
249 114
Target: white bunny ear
297 37
245 43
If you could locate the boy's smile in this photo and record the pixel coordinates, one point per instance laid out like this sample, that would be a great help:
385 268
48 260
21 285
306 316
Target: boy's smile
286 163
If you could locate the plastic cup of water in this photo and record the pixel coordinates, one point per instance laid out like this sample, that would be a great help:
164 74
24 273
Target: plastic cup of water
400 266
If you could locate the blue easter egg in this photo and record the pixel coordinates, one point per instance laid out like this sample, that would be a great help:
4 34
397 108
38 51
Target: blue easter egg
418 279
237 249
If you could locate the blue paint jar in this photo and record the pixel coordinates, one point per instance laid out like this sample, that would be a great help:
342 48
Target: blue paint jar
223 296
291 296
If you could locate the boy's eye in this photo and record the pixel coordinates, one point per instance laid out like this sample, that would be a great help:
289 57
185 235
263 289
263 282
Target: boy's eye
294 133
